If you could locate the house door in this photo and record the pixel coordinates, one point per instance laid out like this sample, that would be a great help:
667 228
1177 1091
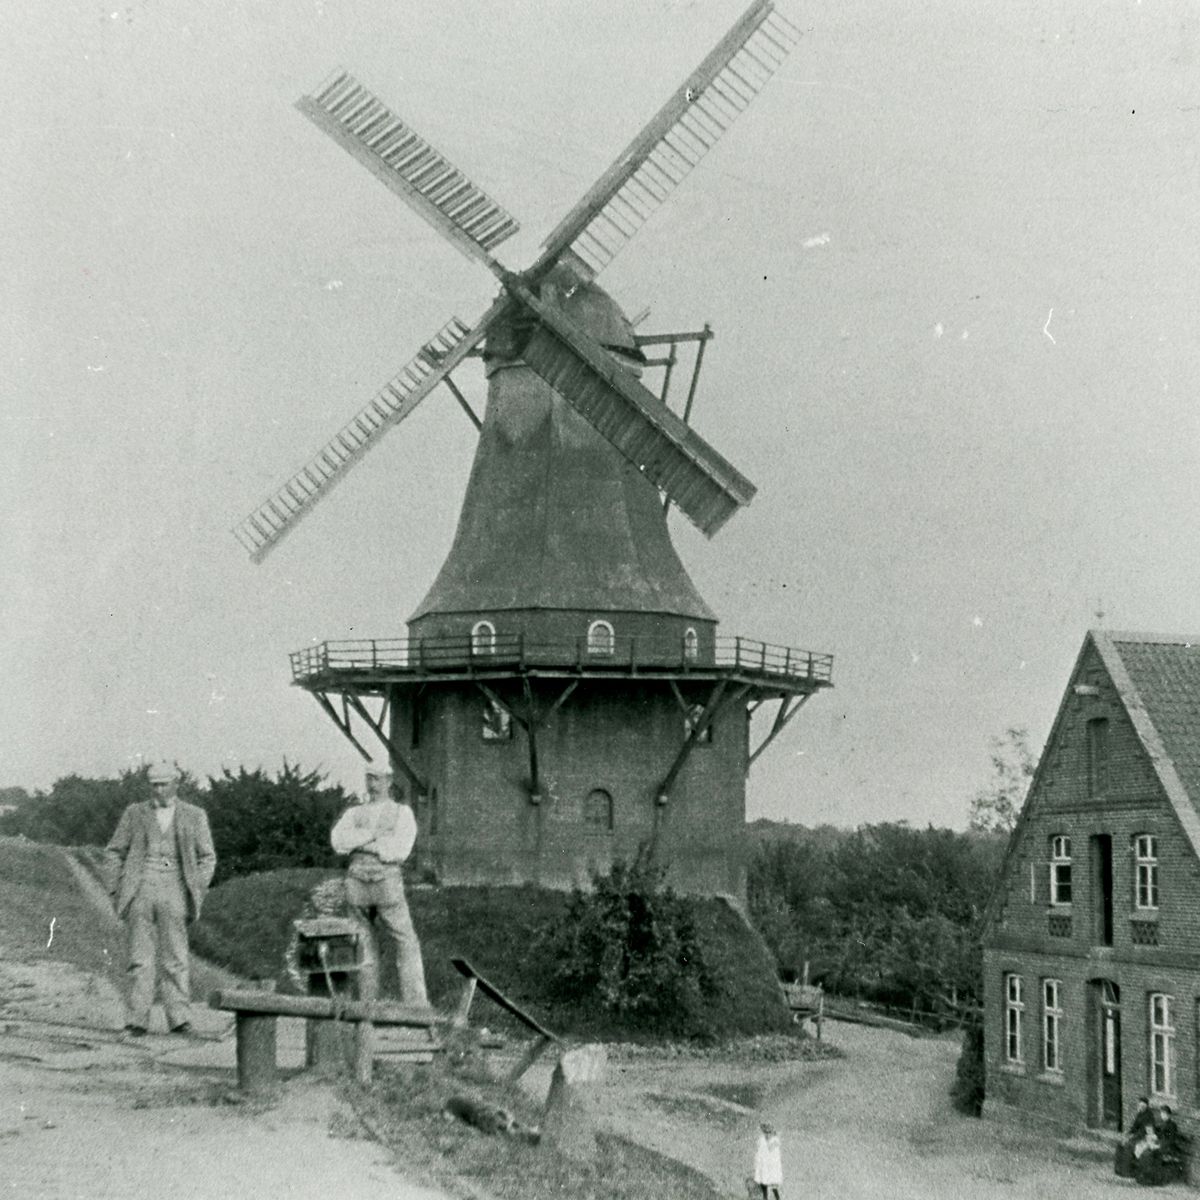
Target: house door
1107 1055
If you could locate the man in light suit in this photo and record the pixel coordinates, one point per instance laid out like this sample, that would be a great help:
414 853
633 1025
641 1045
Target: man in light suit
161 861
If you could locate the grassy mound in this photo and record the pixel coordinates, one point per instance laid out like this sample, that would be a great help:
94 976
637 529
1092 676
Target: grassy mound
246 926
37 885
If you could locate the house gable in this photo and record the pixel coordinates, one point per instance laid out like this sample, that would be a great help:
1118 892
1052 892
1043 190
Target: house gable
1104 773
1091 978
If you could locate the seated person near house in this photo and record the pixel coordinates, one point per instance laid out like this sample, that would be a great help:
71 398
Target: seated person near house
1172 1146
1124 1159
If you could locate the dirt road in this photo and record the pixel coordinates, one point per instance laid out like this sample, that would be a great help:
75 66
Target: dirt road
874 1125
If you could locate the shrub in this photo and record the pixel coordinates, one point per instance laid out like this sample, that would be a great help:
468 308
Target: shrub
967 1091
632 943
261 824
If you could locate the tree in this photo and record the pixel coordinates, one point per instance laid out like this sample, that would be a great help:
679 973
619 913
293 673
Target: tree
78 811
260 824
995 808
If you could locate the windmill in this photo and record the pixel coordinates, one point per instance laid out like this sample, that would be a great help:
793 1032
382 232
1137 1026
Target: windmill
562 609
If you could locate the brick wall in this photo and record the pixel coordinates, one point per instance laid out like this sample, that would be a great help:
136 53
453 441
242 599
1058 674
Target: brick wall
620 738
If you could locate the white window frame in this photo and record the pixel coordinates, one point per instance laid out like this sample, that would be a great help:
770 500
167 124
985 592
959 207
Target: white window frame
483 638
1060 869
1014 1019
1052 1015
601 638
1162 1045
691 644
1145 856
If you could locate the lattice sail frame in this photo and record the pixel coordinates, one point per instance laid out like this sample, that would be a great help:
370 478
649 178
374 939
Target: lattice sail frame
695 477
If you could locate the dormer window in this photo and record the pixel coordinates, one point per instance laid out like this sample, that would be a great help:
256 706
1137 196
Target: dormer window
691 644
600 638
483 638
1060 870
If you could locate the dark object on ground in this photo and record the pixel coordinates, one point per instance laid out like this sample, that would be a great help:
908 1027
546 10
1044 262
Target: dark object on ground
136 1030
184 1028
488 1118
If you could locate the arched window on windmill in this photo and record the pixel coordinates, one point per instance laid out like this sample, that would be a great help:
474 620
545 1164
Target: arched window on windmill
483 638
598 811
691 645
600 638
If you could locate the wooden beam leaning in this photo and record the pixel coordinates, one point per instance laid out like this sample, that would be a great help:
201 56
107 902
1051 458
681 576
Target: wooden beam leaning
419 785
782 717
717 700
332 714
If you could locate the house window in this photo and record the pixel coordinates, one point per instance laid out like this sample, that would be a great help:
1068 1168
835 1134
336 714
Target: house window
1052 1013
691 644
598 811
601 639
1014 1017
497 722
1097 756
1060 870
483 638
1162 1045
1145 855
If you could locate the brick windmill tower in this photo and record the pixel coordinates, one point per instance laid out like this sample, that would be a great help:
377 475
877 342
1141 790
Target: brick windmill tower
563 697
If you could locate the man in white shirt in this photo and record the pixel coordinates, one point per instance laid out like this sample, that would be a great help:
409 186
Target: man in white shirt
378 834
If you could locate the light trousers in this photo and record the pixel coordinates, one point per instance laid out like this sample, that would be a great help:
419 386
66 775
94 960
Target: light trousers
385 898
158 948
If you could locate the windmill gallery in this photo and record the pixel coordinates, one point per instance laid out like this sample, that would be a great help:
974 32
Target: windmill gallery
563 696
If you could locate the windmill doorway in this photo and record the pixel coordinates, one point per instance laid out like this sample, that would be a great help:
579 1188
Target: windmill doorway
1104 1055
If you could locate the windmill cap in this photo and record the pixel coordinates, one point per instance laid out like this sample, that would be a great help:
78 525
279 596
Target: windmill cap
162 772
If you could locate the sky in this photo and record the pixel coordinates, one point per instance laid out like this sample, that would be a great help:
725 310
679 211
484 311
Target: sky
950 256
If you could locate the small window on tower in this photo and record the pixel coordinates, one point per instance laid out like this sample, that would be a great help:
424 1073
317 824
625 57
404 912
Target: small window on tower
601 639
691 644
497 722
483 638
691 719
598 811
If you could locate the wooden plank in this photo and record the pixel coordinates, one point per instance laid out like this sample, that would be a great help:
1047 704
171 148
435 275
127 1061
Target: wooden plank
382 1012
495 994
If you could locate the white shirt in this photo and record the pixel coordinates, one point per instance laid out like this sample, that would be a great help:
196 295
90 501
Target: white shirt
381 827
768 1161
164 814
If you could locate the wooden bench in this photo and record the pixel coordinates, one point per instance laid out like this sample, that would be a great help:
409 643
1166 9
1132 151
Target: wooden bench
807 1001
256 1014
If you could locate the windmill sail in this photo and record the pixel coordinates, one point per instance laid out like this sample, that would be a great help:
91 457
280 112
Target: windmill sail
364 126
279 514
674 141
703 484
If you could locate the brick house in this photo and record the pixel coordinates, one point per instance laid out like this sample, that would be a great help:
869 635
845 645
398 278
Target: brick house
1092 944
